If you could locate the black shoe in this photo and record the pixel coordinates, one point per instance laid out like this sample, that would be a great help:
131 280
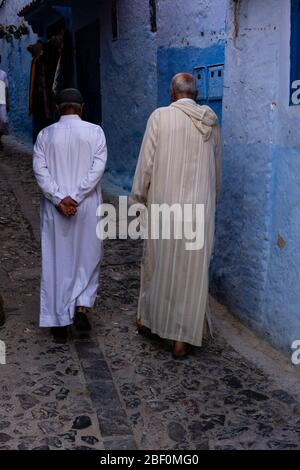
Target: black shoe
81 322
60 334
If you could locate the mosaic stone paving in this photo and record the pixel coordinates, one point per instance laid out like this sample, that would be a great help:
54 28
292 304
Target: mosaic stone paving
115 389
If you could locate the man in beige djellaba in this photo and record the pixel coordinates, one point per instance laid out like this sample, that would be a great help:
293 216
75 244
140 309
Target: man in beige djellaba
179 163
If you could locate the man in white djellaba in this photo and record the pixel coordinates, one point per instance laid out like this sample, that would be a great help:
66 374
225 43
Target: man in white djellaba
69 161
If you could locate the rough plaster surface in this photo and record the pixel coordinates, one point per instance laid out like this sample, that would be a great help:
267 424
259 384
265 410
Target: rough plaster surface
251 273
16 62
129 85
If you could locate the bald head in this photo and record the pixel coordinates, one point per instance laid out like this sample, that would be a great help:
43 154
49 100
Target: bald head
183 85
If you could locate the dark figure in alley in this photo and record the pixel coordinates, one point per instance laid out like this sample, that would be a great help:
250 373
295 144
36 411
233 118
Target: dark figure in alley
4 104
69 161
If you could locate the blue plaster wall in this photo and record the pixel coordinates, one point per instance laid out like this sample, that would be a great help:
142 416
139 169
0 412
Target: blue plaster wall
240 262
16 62
129 85
257 277
281 313
171 61
17 66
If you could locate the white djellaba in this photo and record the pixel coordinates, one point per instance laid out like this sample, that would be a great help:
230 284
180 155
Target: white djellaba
69 160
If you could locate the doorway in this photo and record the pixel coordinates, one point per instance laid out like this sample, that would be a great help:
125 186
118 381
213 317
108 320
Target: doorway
88 70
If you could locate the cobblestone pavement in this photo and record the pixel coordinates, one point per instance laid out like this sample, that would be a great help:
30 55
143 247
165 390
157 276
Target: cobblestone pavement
115 389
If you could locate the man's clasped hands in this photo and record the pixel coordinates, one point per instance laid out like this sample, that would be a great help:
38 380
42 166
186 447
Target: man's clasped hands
67 207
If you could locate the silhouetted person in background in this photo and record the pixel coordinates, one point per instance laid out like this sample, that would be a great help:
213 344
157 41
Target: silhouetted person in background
4 104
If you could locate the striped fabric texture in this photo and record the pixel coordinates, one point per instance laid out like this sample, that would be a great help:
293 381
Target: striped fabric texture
179 163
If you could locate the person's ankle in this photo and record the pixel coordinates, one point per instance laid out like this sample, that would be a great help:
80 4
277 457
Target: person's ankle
180 350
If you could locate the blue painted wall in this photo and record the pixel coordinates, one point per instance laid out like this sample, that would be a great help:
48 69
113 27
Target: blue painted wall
129 85
171 61
256 265
17 65
281 313
16 62
294 44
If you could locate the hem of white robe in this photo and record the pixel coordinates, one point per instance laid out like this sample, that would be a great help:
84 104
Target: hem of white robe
55 324
56 321
85 303
70 321
68 317
182 339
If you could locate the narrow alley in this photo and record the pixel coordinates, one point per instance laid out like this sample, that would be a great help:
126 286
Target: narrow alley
114 389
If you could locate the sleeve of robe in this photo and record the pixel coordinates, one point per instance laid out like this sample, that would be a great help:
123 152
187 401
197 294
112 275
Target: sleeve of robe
92 179
47 184
218 160
142 178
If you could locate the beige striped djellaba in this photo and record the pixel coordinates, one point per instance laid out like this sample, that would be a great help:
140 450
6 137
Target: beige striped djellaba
179 163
